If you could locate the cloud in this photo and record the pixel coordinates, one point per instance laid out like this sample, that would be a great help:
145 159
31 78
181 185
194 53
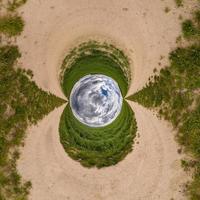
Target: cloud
96 100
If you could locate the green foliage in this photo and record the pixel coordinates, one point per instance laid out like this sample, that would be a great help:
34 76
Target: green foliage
189 132
14 4
8 55
175 94
194 187
185 59
98 147
189 29
149 97
95 58
11 25
21 103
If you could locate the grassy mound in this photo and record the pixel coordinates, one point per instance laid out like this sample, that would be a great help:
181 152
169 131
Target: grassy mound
103 146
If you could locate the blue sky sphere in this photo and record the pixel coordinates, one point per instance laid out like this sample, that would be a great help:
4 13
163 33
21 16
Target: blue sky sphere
96 100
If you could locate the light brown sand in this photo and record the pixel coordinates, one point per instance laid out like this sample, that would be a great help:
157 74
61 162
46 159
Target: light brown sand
145 32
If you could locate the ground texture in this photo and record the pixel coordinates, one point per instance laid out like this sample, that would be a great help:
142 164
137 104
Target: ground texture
145 32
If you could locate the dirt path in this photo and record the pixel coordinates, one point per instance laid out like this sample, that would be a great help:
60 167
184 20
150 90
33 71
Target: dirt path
145 32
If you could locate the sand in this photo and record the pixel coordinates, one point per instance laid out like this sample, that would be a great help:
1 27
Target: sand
144 31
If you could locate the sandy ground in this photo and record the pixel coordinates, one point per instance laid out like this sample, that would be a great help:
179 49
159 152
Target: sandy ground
145 32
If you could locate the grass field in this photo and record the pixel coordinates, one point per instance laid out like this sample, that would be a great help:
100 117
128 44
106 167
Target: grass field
95 58
98 147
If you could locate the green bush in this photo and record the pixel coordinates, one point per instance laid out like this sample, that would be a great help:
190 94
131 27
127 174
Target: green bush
95 58
98 147
8 55
189 132
11 25
189 29
194 186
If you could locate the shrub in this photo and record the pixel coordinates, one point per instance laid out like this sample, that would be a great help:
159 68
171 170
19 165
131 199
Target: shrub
11 25
189 29
8 55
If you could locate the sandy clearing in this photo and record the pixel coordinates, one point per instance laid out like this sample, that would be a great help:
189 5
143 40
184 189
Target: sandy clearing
144 32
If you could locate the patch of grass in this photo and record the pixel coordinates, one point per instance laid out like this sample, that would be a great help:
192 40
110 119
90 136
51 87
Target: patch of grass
11 25
189 132
189 29
95 58
8 55
194 187
174 90
98 147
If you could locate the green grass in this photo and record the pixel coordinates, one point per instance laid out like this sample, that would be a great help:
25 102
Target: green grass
98 147
93 64
189 29
175 94
95 58
11 25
